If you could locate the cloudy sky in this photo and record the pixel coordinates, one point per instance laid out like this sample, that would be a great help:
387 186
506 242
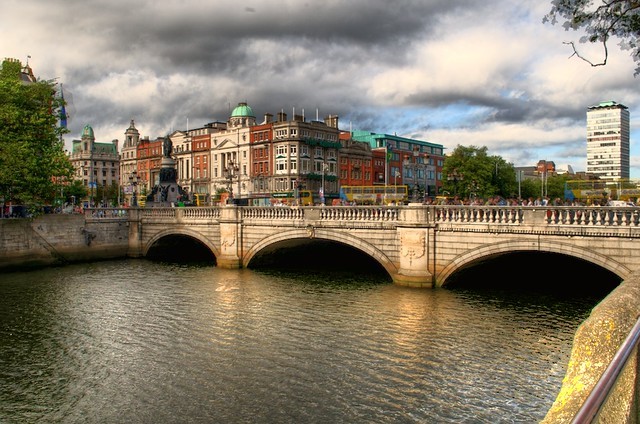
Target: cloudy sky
472 73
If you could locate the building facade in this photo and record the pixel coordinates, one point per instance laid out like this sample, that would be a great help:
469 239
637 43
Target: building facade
405 161
608 136
97 165
129 163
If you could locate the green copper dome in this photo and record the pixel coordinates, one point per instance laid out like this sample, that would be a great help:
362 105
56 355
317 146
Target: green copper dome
242 109
87 131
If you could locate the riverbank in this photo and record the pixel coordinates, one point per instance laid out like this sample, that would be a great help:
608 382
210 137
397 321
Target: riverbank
595 344
58 239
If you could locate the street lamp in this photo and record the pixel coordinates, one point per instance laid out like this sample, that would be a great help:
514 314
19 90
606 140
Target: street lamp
455 177
134 180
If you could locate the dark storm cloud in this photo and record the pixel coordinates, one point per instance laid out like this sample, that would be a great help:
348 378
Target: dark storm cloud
452 72
212 35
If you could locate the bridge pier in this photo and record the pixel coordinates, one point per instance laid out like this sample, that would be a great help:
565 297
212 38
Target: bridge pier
414 253
230 237
135 233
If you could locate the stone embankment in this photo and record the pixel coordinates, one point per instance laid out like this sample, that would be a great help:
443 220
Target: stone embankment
59 239
595 344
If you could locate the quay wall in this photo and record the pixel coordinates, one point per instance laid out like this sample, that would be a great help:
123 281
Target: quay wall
59 239
595 343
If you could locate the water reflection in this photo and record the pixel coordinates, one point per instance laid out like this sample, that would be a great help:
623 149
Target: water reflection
140 341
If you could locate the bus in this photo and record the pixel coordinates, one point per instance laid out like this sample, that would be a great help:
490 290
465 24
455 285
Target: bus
599 191
305 198
200 199
375 195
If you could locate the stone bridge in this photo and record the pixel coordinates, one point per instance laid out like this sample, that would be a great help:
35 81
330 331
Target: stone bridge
419 246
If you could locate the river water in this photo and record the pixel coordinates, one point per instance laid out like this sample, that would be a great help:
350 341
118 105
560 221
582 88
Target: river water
137 341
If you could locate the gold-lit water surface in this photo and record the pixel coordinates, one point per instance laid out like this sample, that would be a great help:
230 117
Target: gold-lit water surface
139 342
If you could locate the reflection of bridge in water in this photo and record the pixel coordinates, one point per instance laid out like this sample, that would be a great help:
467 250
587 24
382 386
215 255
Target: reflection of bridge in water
418 246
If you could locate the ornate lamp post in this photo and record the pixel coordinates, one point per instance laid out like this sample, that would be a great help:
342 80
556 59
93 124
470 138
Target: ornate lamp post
455 176
134 180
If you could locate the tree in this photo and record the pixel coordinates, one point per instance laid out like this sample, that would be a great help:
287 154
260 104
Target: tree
612 18
33 166
470 172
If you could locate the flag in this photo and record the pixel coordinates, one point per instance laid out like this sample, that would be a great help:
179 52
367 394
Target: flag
63 110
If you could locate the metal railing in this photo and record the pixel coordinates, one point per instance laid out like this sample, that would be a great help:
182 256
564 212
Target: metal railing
598 396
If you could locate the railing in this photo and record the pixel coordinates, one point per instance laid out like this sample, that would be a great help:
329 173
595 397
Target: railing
573 216
360 213
552 215
480 214
600 392
272 212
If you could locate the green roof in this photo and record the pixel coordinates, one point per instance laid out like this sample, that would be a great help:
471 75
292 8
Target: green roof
87 131
242 109
373 139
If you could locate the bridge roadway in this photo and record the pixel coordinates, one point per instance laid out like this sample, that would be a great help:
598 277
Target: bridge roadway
417 245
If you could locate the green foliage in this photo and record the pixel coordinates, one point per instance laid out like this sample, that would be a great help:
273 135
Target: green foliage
613 18
33 166
552 187
76 190
470 172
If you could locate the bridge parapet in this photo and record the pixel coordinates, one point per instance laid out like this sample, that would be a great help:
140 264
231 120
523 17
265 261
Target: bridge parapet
273 212
479 214
548 215
360 213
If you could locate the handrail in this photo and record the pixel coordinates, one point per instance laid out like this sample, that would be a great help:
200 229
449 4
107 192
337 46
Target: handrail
601 390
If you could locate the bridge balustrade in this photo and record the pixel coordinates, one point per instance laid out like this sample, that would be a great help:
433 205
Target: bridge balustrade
479 214
272 212
359 213
594 216
583 216
106 213
200 213
158 212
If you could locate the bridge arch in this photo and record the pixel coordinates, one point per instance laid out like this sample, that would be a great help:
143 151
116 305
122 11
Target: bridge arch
525 246
323 234
183 232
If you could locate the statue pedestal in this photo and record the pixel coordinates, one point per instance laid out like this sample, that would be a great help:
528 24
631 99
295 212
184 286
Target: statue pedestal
167 192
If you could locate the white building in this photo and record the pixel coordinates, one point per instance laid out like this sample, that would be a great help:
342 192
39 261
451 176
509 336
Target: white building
608 141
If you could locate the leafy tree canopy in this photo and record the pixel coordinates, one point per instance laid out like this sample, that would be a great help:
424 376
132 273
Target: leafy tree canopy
33 165
469 172
600 21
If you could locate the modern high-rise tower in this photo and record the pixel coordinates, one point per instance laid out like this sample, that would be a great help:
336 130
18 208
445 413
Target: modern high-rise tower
608 141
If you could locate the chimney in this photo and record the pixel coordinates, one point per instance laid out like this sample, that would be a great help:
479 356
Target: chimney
331 121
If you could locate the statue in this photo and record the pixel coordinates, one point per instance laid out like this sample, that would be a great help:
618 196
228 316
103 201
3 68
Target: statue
167 147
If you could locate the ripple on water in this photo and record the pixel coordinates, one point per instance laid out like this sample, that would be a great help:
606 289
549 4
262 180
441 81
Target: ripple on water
137 341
